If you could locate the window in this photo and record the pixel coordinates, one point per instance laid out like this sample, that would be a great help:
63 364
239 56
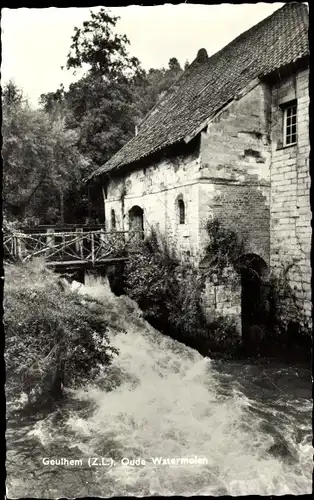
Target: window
290 124
113 219
181 210
136 221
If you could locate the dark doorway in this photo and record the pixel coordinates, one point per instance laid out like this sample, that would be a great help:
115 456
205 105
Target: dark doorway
136 219
254 295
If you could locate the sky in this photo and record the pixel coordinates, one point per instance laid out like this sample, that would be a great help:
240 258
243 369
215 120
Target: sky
35 42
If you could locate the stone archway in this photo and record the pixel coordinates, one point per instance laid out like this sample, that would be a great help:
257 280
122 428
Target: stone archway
254 296
136 219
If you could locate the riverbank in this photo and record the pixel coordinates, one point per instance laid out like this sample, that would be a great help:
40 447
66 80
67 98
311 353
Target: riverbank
54 339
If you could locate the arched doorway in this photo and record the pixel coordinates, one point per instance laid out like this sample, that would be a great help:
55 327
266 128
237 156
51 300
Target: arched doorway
136 219
254 294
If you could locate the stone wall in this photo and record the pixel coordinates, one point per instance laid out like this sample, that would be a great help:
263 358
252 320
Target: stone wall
156 189
235 170
290 228
235 187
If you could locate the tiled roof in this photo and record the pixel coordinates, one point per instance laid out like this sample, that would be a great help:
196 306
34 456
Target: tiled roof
209 83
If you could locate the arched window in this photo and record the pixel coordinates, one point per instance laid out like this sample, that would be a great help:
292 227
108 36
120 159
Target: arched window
181 211
136 221
113 219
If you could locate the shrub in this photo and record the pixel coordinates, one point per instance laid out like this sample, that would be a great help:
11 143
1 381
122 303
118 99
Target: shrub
168 292
224 337
287 313
223 250
170 295
150 282
53 338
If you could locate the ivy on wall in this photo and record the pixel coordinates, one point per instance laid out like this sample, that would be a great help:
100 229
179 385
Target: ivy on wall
222 252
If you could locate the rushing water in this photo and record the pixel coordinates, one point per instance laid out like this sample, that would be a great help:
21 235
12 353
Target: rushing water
244 428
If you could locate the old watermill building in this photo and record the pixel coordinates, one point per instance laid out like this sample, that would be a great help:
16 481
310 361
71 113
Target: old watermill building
229 140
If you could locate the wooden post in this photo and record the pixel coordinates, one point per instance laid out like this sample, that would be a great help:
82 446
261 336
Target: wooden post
18 248
79 244
50 241
63 244
93 248
102 239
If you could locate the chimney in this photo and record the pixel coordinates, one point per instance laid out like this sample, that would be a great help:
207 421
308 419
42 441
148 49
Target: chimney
202 56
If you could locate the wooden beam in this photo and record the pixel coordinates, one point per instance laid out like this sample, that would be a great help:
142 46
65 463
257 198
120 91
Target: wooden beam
83 262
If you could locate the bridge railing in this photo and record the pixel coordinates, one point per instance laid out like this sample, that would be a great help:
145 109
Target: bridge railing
79 245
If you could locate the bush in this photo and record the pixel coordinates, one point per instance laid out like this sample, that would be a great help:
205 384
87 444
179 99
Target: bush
149 280
170 296
224 337
53 338
168 292
224 247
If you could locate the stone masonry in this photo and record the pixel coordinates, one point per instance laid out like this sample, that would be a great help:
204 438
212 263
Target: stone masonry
240 173
290 221
156 189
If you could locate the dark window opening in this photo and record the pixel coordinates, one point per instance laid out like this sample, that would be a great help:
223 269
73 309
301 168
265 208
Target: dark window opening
136 220
181 212
113 219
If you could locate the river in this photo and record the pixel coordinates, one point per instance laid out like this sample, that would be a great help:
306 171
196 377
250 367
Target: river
166 421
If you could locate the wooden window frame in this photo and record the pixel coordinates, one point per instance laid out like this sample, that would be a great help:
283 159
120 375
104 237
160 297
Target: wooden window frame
289 121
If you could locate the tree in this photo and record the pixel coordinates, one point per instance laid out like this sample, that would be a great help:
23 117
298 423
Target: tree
174 65
103 114
40 160
155 84
100 49
11 94
54 102
114 95
100 106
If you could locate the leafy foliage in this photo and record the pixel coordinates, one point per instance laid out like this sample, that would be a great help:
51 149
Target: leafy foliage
48 154
40 160
152 86
224 247
170 295
52 336
11 94
149 280
103 51
103 114
287 308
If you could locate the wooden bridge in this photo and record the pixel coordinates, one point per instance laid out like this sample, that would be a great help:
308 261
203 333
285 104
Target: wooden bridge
71 247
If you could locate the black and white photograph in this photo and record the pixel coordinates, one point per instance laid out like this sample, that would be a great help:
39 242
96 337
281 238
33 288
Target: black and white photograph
157 235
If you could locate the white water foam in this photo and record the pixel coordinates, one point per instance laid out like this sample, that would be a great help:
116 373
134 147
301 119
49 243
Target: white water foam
172 407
